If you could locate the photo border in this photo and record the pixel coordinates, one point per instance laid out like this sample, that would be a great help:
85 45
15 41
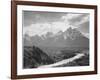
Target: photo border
14 38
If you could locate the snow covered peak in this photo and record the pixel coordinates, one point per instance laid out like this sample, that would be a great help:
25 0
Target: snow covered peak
72 33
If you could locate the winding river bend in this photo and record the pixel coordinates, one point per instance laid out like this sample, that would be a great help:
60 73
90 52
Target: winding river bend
65 61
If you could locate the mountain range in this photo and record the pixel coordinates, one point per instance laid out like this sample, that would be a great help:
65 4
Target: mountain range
69 38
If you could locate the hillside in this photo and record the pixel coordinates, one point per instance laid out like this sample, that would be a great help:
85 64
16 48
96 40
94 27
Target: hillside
34 57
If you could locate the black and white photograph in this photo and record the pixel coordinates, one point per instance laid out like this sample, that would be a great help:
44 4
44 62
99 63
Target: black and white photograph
55 39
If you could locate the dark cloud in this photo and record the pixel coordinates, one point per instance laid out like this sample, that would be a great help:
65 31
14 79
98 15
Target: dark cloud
30 17
77 19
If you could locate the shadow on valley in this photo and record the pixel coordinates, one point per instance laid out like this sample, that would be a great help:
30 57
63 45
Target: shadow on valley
38 56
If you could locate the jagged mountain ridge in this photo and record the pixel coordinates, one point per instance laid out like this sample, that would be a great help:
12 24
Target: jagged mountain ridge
69 38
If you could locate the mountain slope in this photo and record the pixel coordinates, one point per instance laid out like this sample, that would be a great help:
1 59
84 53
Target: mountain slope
34 57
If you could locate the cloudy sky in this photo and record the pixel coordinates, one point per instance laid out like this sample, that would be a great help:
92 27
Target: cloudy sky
41 22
